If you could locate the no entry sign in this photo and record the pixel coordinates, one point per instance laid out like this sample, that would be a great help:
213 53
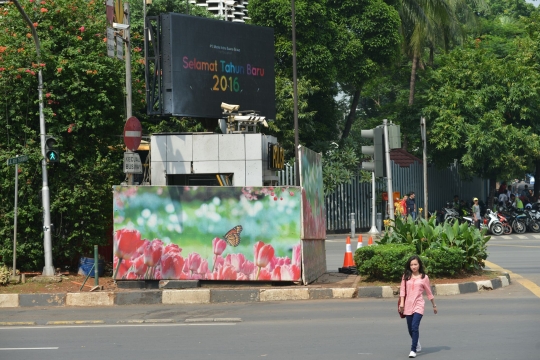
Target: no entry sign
132 133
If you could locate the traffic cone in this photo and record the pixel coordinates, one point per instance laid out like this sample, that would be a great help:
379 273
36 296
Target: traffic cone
370 241
359 245
348 259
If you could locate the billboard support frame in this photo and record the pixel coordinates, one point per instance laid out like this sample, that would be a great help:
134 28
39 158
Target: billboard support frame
154 105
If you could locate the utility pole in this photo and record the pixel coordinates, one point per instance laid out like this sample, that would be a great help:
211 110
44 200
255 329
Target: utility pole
373 230
424 160
48 269
295 97
388 171
127 40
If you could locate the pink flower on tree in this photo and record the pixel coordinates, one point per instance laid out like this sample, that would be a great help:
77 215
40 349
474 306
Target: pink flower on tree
81 29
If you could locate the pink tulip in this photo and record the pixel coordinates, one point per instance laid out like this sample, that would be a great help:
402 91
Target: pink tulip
131 276
290 273
236 261
172 248
226 273
276 274
171 265
157 273
243 277
194 261
122 269
126 243
297 254
264 275
153 252
219 246
248 268
203 267
263 254
277 262
219 261
142 246
139 267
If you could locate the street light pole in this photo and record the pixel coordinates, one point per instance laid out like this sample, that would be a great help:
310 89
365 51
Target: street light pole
295 98
48 269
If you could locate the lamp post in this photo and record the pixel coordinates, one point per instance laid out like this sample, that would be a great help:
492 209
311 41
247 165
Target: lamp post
48 269
295 97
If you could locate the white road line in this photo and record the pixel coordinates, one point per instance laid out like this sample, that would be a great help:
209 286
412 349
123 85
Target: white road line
522 236
40 348
108 326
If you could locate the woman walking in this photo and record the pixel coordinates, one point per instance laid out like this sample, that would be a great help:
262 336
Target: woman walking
413 284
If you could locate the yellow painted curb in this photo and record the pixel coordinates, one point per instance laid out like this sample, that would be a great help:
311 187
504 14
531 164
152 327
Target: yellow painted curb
17 323
528 284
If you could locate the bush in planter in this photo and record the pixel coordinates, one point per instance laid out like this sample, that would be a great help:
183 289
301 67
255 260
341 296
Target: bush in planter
424 234
383 262
442 262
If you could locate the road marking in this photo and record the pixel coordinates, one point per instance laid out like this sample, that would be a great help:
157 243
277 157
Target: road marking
110 325
40 348
528 284
522 236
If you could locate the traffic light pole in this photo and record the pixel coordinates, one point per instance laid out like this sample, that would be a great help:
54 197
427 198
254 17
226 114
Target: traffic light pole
48 270
388 171
373 229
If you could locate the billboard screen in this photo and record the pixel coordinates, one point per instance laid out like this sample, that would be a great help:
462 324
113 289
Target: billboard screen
206 62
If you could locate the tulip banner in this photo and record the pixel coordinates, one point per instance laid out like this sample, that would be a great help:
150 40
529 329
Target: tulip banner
207 233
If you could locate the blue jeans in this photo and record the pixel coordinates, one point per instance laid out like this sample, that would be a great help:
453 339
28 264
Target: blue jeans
413 323
413 214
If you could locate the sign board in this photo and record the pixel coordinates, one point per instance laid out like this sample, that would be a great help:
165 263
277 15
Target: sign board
110 42
120 48
17 160
276 157
206 62
132 163
132 133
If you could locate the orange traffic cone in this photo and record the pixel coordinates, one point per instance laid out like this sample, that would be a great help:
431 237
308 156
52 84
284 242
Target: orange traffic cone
359 245
348 259
370 241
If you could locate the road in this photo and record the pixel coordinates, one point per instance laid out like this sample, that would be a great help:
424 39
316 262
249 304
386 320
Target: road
499 324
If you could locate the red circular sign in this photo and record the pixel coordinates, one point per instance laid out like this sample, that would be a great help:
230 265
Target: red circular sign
132 133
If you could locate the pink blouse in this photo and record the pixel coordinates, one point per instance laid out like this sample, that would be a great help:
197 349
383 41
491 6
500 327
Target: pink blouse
414 302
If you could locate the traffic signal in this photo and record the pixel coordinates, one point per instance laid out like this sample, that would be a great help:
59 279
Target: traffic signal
51 152
376 151
394 136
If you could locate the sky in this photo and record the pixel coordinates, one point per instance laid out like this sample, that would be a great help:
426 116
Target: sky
534 2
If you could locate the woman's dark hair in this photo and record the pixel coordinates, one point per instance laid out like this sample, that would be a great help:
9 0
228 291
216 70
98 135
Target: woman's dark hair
408 273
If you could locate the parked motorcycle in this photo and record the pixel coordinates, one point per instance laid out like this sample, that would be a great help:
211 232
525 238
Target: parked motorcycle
516 220
491 220
507 227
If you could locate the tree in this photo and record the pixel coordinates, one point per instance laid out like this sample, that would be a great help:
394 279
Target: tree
84 110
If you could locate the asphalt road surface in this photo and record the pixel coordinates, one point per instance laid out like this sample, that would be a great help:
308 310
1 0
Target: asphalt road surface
499 324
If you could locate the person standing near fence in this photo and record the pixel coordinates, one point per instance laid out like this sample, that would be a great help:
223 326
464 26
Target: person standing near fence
411 205
413 284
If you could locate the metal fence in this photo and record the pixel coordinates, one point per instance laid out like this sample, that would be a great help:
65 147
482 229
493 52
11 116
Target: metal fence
355 197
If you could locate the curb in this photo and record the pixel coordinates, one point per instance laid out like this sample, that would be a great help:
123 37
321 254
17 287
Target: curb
216 296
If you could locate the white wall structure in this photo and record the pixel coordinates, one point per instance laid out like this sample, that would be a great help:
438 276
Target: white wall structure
243 155
229 10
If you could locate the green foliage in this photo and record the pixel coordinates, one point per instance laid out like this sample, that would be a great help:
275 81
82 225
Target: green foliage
383 262
442 262
424 235
84 109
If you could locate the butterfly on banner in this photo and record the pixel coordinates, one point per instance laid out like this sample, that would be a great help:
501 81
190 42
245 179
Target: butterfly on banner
233 236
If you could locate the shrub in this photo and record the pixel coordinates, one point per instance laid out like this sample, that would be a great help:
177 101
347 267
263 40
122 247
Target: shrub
5 275
424 235
383 262
442 262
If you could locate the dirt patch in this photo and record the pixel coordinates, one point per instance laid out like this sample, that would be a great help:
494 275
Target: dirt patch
68 283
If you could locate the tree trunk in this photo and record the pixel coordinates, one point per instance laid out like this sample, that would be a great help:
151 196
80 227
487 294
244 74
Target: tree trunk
352 114
537 179
413 79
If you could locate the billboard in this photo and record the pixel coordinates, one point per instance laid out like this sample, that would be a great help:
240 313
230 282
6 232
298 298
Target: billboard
206 62
207 233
